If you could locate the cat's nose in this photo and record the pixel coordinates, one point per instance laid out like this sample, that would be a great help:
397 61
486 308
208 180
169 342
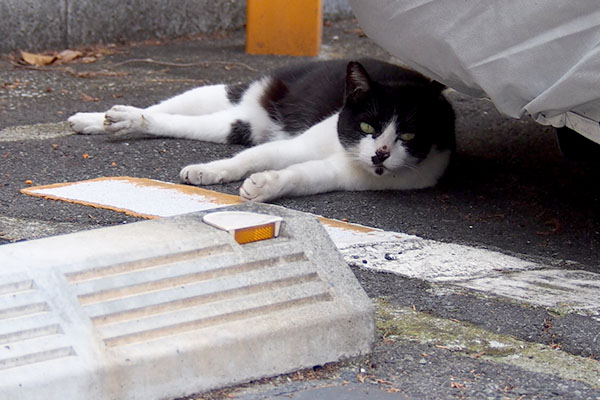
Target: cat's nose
380 156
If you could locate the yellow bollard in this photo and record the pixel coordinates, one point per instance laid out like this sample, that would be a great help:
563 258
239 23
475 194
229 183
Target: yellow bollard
284 27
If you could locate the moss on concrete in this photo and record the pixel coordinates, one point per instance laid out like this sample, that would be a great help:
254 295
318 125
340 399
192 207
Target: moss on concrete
404 324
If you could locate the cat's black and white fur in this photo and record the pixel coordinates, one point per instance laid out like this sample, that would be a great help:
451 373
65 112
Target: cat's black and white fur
317 127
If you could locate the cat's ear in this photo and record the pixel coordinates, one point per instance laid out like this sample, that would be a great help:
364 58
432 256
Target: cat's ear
358 82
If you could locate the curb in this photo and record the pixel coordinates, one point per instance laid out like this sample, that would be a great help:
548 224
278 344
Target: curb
37 25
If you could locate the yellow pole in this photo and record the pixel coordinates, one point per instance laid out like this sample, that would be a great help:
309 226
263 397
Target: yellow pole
284 27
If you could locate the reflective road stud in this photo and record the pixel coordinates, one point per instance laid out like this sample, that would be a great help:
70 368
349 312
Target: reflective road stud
245 227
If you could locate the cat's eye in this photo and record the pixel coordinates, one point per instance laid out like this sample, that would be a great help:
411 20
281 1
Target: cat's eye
407 136
366 128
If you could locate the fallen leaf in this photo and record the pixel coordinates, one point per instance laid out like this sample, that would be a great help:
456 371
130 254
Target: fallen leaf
87 98
28 182
11 85
67 56
89 59
456 385
86 156
37 59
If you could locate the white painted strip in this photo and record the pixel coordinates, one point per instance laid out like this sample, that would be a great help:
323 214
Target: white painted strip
127 195
36 132
561 290
414 257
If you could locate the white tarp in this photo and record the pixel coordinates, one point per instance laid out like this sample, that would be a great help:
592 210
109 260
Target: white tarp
540 58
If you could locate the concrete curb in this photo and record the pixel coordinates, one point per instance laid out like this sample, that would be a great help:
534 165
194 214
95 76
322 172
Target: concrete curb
36 25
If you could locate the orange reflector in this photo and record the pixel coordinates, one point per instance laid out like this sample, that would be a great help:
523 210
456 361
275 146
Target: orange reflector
245 227
254 233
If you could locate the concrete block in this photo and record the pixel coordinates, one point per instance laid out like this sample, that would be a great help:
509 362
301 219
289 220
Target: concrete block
170 307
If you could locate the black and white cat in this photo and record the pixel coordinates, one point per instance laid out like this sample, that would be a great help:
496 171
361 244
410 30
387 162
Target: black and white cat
317 127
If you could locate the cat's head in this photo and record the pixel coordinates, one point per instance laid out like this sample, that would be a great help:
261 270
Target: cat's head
392 125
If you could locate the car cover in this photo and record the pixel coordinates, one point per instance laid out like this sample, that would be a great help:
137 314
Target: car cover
537 58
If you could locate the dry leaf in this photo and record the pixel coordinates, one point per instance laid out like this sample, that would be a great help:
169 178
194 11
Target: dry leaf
67 56
37 59
87 98
456 385
11 85
89 59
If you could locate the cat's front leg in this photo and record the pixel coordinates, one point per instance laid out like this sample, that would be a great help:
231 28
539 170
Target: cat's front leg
317 142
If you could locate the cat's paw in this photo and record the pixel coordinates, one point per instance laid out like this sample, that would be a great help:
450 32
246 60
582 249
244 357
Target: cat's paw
262 186
126 119
206 174
87 123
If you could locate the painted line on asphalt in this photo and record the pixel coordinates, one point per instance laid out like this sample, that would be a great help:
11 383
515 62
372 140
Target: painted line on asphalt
407 255
35 132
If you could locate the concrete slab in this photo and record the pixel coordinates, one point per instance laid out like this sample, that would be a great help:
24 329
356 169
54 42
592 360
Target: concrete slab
170 307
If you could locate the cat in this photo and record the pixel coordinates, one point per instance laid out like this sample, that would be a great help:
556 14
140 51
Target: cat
316 127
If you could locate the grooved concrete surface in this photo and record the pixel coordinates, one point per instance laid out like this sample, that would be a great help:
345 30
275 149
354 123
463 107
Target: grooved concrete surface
123 313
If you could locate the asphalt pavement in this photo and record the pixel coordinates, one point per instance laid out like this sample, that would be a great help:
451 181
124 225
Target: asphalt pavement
509 189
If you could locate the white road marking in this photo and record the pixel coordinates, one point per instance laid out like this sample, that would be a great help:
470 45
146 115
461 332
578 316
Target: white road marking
414 257
37 132
406 255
